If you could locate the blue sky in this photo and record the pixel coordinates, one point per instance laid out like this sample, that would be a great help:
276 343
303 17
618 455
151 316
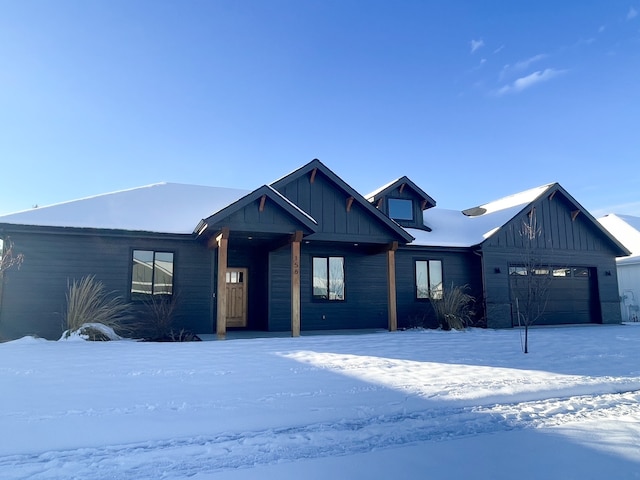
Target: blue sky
472 100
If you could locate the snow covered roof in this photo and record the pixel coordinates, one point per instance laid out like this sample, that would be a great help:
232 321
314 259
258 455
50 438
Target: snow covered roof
452 228
626 229
160 207
371 195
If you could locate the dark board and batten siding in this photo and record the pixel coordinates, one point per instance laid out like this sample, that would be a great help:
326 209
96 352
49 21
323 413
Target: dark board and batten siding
327 204
559 231
365 304
566 239
34 297
271 219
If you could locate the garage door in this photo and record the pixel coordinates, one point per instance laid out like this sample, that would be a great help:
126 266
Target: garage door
569 292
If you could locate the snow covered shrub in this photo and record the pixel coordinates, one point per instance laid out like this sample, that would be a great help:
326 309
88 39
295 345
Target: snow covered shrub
95 332
455 308
89 303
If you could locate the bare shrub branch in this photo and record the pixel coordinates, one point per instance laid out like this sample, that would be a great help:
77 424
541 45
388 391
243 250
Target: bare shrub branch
8 258
88 302
455 308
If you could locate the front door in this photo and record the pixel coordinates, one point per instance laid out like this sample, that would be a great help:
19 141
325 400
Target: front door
236 286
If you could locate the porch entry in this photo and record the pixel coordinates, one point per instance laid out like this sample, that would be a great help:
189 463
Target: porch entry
236 286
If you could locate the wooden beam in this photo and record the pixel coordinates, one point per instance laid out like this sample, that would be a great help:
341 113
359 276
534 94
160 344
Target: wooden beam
313 175
295 284
349 203
263 199
391 289
423 205
379 204
574 214
553 194
402 187
213 241
221 310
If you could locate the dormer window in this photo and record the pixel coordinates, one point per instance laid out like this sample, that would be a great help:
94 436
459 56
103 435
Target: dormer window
401 209
403 201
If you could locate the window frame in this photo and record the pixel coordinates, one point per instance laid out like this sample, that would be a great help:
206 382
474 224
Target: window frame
439 292
328 279
410 202
142 296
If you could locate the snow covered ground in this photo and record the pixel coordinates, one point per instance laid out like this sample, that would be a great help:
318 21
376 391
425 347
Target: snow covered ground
409 405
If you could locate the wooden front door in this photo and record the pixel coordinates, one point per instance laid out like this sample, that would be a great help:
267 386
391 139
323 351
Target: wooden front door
236 286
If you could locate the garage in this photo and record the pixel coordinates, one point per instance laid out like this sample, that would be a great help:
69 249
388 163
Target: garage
566 295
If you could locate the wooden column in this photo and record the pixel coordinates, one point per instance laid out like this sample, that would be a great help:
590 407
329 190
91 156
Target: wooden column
391 286
221 314
295 284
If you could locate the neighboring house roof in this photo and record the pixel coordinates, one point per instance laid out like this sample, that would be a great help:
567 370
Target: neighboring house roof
626 228
453 228
161 207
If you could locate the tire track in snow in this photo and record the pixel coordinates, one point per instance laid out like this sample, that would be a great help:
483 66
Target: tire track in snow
188 456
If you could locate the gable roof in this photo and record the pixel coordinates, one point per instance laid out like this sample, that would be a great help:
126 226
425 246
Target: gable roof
474 226
350 192
467 228
626 228
160 208
302 217
389 187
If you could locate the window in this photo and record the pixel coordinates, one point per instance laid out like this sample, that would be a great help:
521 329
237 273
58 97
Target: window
328 278
523 271
400 209
540 271
558 272
580 272
429 279
517 270
235 277
561 272
152 273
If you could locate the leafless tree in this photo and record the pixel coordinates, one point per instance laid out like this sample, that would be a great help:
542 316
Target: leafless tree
8 258
531 280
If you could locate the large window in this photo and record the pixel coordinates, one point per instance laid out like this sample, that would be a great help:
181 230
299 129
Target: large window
328 278
429 279
152 273
400 209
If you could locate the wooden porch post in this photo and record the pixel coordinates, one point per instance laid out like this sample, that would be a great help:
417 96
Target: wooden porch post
295 284
221 313
391 286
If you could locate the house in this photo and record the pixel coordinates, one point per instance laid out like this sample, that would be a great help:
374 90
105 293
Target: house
626 229
306 252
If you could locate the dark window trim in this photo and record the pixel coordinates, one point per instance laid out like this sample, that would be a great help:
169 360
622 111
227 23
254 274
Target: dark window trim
141 297
415 277
319 299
